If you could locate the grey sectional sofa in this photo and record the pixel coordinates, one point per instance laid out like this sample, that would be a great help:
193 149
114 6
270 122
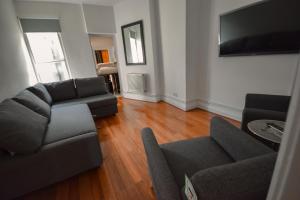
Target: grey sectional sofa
227 165
47 134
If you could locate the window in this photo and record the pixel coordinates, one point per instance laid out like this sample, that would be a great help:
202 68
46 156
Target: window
48 56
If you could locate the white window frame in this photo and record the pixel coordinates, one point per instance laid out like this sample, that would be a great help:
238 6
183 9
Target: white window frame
56 61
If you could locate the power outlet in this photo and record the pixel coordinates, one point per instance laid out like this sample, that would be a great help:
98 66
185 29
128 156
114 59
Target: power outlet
175 94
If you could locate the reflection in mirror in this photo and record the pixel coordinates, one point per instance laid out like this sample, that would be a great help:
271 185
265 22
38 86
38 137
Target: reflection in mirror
133 40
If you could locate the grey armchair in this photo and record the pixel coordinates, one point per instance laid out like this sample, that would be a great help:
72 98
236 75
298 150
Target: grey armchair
227 165
263 106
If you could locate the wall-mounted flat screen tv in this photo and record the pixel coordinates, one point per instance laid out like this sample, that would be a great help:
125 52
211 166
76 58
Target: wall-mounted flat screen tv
268 27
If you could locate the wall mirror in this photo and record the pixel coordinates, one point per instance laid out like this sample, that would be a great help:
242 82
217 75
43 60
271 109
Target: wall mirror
134 45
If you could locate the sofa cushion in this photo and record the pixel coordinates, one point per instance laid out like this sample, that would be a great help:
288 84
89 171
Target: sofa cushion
90 86
190 156
61 91
69 121
40 90
31 101
93 101
21 129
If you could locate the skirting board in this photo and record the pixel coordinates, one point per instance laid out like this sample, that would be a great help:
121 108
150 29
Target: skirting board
221 109
183 105
141 97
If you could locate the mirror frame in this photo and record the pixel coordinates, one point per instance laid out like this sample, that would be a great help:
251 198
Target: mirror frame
140 22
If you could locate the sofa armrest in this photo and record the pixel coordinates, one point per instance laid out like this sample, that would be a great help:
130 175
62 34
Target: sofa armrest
248 180
162 178
268 102
251 114
238 144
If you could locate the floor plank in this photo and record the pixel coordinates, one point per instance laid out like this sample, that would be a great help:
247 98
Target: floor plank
124 174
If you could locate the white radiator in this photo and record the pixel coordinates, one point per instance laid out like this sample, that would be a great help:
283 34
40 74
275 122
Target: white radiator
136 83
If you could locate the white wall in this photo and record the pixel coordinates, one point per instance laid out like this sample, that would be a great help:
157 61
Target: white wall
127 12
198 12
99 19
16 72
173 43
224 82
75 39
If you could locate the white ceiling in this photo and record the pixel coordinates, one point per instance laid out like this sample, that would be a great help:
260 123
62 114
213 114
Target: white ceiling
95 2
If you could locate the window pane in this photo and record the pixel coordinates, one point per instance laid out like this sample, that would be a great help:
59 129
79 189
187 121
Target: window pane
45 47
51 72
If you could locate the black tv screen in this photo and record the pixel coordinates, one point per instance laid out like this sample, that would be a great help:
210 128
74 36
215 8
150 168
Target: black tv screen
269 27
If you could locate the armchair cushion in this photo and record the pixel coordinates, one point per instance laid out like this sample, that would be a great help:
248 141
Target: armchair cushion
248 179
190 156
235 142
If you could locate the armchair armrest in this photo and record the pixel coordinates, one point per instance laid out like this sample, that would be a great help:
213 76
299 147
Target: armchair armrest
267 102
248 180
238 144
163 180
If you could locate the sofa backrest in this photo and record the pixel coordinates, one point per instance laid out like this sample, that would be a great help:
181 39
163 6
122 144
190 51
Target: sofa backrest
238 144
61 91
40 90
31 101
22 129
90 86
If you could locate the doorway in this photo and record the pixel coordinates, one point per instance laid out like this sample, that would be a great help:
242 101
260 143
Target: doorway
105 57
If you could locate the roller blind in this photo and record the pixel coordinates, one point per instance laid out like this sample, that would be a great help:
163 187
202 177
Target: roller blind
40 25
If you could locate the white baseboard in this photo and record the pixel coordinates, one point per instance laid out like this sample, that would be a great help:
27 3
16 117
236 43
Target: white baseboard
175 102
218 108
141 97
183 105
221 109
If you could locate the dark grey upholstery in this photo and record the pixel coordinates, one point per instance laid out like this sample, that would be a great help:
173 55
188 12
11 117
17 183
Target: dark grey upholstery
100 105
31 101
69 144
217 171
236 143
90 86
54 162
22 130
262 106
104 111
92 101
268 102
61 91
245 180
68 122
40 90
163 180
190 156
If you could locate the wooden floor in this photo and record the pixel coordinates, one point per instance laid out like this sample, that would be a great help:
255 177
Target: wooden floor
124 174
